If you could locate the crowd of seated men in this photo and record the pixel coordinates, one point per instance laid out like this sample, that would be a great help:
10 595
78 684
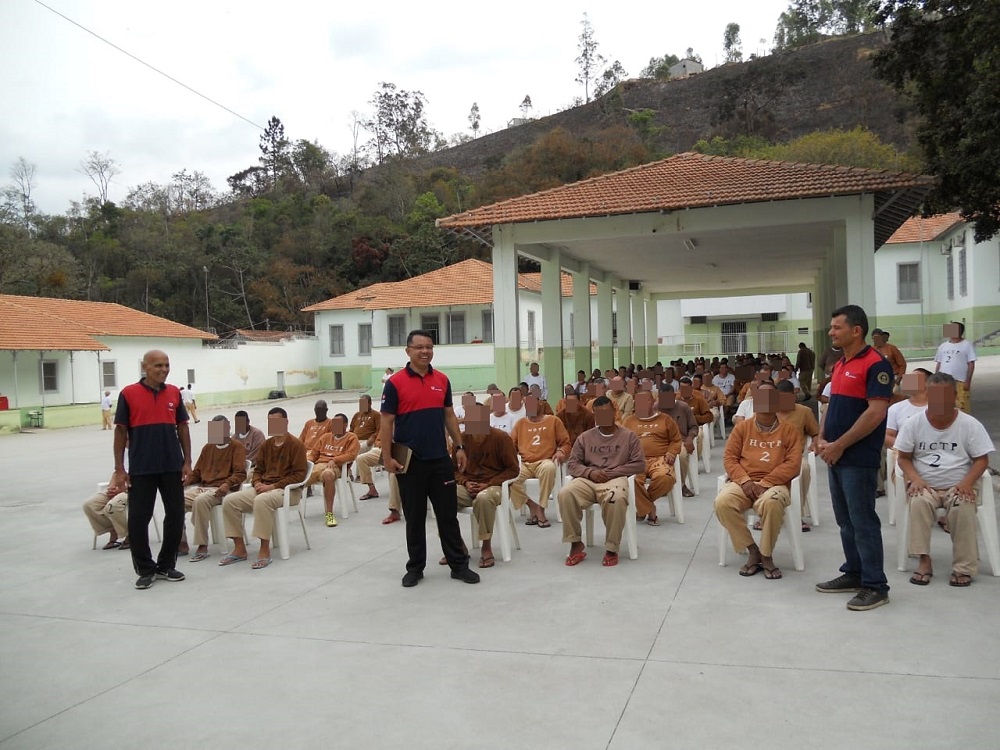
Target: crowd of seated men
631 422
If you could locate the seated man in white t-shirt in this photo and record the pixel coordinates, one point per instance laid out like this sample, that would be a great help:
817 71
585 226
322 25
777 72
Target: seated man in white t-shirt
499 416
914 387
943 453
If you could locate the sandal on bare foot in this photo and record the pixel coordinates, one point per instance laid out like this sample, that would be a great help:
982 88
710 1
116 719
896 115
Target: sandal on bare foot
961 580
391 518
652 521
921 579
610 559
751 569
368 496
487 562
773 573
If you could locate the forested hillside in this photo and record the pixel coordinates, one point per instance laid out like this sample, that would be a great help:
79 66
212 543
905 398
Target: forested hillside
303 225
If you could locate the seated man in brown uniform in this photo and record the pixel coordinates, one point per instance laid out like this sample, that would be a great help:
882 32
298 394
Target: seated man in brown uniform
490 461
281 461
661 445
601 461
251 437
762 457
107 512
330 453
668 403
221 468
542 443
576 418
365 424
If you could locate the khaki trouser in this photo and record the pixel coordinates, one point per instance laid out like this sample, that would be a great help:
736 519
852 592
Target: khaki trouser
484 508
261 505
961 524
964 399
661 481
200 501
319 469
366 462
578 495
545 472
732 502
108 515
806 382
805 476
106 423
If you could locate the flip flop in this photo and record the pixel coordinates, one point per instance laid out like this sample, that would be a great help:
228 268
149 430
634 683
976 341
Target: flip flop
751 570
960 580
231 558
126 545
576 558
199 556
368 496
652 521
391 518
921 579
544 523
487 562
112 545
260 563
531 521
610 560
772 574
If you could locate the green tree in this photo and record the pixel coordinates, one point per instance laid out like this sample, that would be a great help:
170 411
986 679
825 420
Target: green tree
275 152
610 77
659 67
525 106
589 61
690 54
808 21
398 125
474 119
944 54
732 44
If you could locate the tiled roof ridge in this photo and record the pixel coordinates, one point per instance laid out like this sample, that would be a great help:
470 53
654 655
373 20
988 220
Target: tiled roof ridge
935 225
846 168
15 300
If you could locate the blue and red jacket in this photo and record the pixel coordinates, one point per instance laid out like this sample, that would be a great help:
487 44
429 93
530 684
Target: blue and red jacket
151 417
866 375
418 403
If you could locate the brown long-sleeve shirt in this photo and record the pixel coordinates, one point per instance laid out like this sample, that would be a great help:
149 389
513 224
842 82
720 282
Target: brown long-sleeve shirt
217 466
684 417
658 435
770 458
699 406
489 459
329 448
618 455
894 357
536 441
313 429
281 465
576 423
365 424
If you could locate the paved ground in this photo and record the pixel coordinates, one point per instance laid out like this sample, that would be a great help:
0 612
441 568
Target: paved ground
326 649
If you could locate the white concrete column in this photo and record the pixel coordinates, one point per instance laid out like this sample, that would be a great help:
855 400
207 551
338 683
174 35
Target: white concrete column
652 334
623 308
581 321
605 335
552 341
859 257
506 343
638 305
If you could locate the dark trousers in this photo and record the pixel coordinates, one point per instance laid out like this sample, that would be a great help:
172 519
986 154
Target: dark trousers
852 489
141 499
433 480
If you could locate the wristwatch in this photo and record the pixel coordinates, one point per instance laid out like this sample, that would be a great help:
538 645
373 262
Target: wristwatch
460 447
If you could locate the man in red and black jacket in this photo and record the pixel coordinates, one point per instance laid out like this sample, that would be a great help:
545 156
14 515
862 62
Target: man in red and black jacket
416 412
152 421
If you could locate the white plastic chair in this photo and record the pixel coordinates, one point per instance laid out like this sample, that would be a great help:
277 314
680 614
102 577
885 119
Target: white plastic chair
891 485
792 523
692 471
986 519
504 528
676 498
720 420
533 487
812 497
344 486
629 535
101 486
282 512
707 441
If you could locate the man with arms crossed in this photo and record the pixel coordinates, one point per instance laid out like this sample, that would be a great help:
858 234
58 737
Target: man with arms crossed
416 412
943 453
152 422
850 442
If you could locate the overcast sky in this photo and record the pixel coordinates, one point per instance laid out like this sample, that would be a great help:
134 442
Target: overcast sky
64 92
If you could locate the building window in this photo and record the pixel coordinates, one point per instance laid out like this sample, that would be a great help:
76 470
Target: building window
190 377
456 328
950 275
809 299
963 278
365 339
803 331
487 336
614 328
572 333
531 329
432 324
109 374
907 282
336 341
50 377
397 330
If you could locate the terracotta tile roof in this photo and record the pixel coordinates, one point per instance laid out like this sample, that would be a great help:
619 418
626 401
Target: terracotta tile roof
918 228
44 323
260 335
691 180
468 282
566 282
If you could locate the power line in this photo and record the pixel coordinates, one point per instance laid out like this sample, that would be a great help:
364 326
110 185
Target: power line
151 67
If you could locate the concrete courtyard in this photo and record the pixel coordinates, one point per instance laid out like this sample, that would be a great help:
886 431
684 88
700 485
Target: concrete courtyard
326 649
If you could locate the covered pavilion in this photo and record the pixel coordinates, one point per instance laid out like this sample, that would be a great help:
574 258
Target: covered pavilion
685 227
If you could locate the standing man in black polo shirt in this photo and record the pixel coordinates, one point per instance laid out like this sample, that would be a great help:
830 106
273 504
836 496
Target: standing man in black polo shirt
416 411
152 421
851 445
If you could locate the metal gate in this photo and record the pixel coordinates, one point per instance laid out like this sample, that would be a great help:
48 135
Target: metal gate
734 337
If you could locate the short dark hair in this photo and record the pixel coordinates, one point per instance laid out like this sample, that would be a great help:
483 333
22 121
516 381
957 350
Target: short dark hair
924 370
943 377
346 420
785 386
802 345
365 395
278 410
686 380
855 316
601 401
242 413
767 381
418 332
666 387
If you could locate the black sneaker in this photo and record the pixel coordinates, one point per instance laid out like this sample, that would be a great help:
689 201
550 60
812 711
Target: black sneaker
412 578
840 585
170 575
144 582
466 575
868 599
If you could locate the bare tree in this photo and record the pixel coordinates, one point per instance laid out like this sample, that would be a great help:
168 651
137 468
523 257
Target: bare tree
101 169
17 194
590 60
